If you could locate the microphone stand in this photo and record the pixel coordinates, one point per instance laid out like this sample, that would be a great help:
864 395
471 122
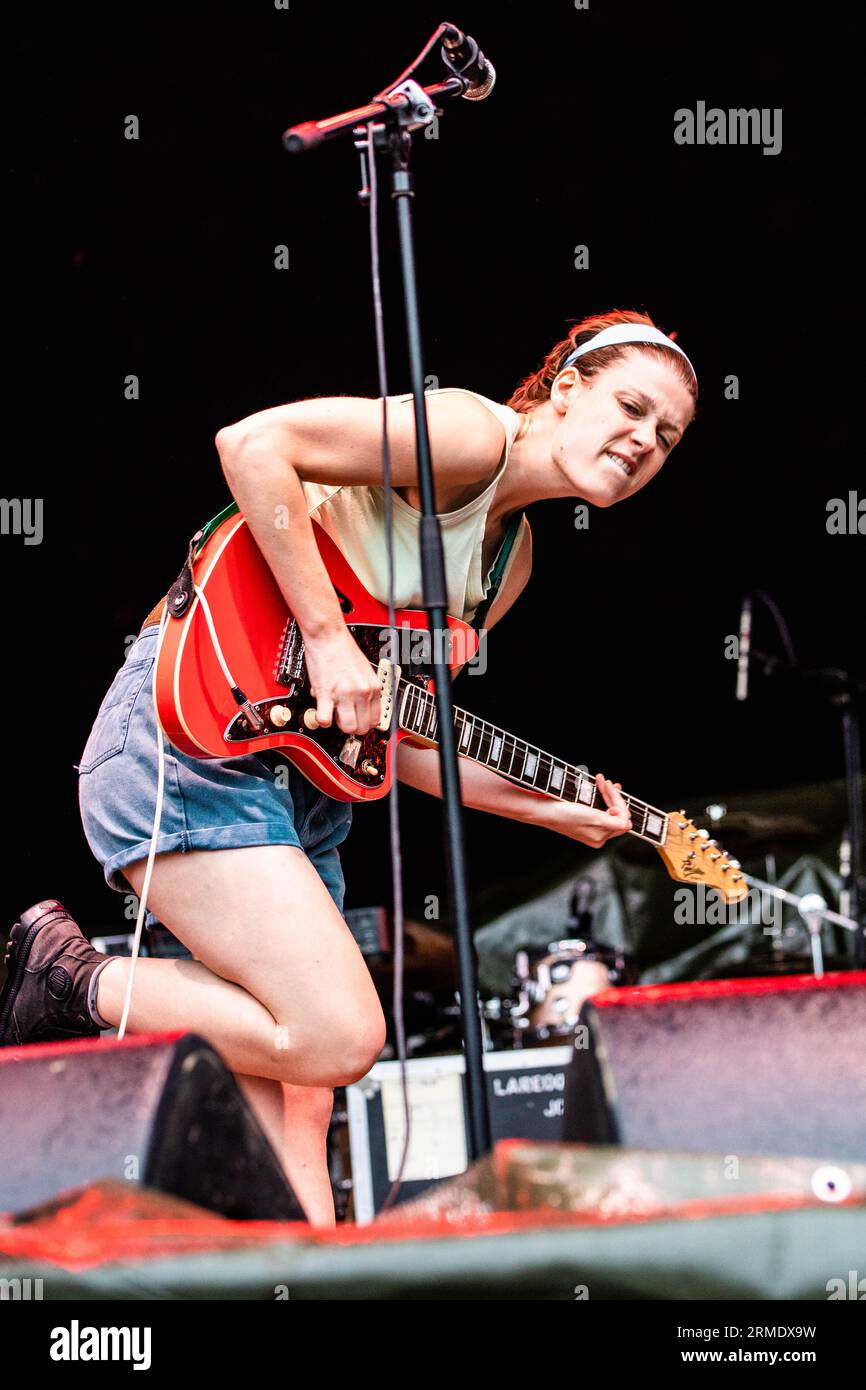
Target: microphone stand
846 702
844 691
401 111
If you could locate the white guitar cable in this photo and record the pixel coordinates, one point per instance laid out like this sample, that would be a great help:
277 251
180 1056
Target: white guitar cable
145 887
160 791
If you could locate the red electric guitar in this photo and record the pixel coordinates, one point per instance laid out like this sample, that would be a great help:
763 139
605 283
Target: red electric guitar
231 680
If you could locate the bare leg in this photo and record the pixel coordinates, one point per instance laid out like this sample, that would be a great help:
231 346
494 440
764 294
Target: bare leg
296 1119
278 986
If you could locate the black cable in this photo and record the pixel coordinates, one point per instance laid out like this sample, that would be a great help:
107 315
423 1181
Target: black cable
393 802
416 62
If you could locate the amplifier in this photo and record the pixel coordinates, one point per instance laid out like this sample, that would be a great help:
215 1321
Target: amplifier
526 1090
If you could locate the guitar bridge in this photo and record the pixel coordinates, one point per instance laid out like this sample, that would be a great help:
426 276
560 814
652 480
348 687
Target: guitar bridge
290 659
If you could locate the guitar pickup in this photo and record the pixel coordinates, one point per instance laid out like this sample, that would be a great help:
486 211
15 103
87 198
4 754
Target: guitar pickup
389 674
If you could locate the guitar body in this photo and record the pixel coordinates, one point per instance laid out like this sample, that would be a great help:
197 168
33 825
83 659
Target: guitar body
263 649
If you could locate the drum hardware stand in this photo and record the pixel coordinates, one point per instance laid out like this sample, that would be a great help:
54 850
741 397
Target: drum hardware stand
811 908
843 690
814 911
777 950
391 120
854 886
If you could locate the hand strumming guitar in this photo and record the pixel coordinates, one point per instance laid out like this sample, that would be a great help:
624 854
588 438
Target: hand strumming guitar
344 683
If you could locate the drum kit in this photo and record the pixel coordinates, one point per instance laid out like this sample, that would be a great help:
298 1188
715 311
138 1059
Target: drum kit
550 986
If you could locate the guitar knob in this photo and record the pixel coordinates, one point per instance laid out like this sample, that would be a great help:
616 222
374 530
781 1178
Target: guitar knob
280 715
310 719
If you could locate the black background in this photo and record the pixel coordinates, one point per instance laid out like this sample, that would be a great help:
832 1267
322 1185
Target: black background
155 257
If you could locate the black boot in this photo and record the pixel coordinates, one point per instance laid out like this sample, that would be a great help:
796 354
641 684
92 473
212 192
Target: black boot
49 965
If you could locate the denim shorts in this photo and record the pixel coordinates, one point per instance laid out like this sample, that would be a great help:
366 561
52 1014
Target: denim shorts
208 803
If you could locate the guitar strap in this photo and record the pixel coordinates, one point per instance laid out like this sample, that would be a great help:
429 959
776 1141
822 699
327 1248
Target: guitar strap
498 570
179 596
201 536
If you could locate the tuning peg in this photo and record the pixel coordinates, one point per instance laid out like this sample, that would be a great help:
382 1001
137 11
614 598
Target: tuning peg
734 863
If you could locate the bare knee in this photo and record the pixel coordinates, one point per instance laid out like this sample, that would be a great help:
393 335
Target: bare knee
341 1052
362 1050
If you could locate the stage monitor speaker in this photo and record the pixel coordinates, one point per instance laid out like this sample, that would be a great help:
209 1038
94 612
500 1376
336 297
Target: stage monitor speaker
760 1066
162 1110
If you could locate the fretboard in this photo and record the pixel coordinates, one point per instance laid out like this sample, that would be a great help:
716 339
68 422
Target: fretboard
521 762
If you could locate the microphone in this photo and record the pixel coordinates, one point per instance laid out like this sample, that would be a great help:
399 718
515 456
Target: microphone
744 648
463 56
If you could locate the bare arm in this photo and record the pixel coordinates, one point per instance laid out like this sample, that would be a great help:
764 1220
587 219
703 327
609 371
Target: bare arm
337 440
482 789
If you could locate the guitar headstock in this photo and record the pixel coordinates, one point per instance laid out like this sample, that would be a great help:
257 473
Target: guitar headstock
690 856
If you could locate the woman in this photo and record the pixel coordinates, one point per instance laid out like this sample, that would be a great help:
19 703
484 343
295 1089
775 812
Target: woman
247 871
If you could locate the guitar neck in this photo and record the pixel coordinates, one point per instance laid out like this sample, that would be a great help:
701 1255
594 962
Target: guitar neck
521 762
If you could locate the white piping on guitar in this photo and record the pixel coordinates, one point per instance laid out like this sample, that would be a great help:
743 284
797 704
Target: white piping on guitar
187 622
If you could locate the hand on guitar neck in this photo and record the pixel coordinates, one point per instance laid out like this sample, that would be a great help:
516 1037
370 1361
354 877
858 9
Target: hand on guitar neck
593 828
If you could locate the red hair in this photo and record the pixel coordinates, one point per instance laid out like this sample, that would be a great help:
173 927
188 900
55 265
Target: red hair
535 388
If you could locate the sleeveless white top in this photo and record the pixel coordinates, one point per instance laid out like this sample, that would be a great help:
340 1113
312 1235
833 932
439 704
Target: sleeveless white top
354 518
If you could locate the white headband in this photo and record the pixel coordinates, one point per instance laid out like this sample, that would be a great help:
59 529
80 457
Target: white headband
626 333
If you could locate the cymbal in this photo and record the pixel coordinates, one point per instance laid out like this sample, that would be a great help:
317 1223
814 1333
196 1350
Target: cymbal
744 835
747 835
